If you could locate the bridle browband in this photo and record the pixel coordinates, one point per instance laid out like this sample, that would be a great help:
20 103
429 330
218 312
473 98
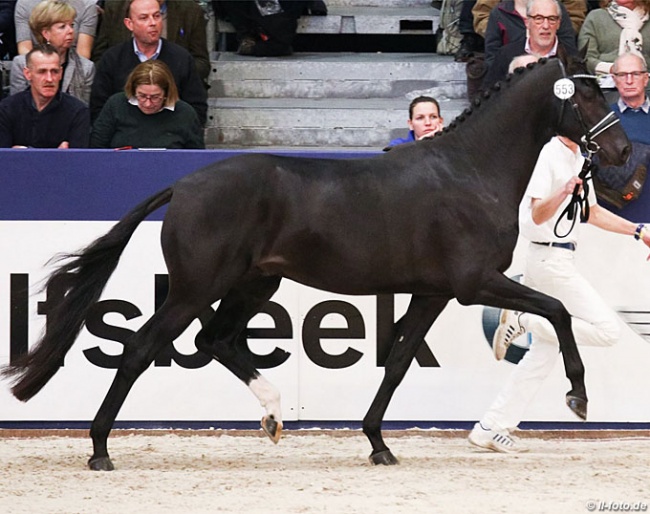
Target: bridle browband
591 148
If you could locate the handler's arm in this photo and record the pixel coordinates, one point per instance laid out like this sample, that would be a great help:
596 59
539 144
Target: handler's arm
543 209
607 220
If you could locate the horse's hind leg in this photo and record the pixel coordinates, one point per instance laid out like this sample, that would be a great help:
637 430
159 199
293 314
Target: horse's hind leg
163 327
411 329
220 336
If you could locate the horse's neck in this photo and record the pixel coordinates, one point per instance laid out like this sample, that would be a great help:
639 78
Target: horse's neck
508 133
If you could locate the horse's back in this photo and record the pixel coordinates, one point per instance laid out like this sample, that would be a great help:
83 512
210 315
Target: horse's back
338 224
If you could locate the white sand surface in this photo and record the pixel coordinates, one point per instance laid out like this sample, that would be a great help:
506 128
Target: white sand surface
322 472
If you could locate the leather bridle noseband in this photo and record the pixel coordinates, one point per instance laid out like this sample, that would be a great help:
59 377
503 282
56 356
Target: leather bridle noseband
591 148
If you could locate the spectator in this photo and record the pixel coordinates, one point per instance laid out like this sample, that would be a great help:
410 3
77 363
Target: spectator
263 27
52 23
542 22
576 9
620 185
424 120
86 25
507 24
42 116
620 27
633 108
144 20
184 23
148 114
7 31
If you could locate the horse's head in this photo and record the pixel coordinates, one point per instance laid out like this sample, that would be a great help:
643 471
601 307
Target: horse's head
585 117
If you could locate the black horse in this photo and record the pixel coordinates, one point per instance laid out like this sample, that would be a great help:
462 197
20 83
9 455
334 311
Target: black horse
437 219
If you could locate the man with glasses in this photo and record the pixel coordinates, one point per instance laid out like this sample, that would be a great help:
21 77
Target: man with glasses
145 21
542 22
622 186
630 74
507 23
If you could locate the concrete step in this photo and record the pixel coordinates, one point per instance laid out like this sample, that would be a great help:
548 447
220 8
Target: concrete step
338 75
362 19
332 100
312 123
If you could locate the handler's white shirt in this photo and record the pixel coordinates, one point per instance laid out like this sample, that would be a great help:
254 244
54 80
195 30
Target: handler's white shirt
556 164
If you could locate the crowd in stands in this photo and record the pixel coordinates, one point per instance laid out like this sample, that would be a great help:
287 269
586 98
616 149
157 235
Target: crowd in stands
131 73
120 72
497 31
101 42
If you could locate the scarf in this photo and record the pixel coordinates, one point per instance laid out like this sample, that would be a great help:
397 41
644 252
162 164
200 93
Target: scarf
631 22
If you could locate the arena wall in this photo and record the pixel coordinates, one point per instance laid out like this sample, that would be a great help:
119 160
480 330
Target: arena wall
59 201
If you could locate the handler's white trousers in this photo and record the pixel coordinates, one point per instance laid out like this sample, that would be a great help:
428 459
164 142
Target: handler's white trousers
551 271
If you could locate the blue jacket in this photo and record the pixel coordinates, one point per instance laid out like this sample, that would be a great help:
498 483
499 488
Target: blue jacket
64 119
401 140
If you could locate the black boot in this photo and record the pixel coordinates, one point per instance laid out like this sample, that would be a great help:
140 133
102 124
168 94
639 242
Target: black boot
470 44
316 8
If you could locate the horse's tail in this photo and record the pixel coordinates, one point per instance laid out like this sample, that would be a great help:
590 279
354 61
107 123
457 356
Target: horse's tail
84 276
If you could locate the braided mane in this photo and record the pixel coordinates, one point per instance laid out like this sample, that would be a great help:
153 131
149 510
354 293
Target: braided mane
481 98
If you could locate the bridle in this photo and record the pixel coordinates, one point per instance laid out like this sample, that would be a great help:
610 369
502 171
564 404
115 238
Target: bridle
588 143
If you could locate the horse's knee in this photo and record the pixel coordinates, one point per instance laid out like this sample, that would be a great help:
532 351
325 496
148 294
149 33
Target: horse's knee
134 362
558 315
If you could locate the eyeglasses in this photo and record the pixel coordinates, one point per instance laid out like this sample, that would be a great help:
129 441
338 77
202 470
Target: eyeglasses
154 99
629 74
538 19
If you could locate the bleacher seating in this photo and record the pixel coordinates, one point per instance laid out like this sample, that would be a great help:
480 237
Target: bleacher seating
325 99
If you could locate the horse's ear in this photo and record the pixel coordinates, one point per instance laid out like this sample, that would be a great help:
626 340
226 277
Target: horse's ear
583 51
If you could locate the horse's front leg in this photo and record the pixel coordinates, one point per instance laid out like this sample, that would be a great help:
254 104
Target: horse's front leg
411 329
505 293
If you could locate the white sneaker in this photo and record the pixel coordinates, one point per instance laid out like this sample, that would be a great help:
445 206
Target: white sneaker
509 329
492 440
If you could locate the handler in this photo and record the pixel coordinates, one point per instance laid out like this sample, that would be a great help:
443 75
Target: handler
550 268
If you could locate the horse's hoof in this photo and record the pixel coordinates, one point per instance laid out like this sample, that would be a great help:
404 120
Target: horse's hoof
272 428
578 406
100 464
386 458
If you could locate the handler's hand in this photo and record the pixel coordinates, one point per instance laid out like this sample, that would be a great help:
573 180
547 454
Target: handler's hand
571 185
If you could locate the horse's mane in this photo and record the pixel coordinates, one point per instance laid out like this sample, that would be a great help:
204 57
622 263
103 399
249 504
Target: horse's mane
498 87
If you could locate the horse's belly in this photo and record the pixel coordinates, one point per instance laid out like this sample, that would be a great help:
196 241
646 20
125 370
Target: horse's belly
345 279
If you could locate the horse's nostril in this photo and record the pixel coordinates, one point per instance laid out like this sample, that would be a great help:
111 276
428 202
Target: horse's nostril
627 151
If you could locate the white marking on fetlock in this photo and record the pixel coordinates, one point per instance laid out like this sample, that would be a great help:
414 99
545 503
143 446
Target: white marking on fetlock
268 396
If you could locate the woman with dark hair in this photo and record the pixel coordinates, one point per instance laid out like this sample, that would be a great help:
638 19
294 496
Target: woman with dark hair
148 114
424 120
